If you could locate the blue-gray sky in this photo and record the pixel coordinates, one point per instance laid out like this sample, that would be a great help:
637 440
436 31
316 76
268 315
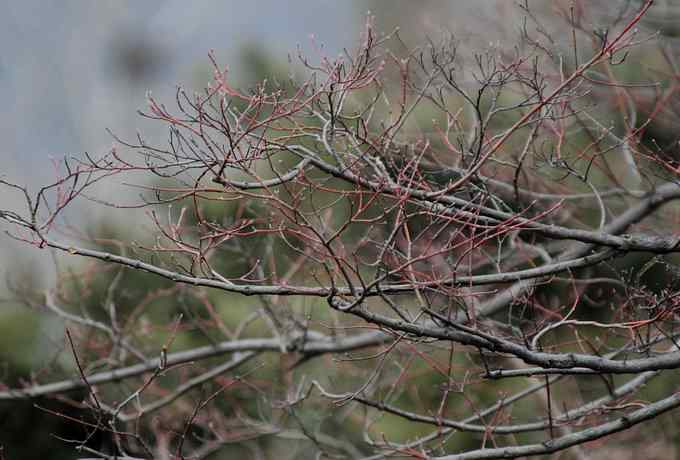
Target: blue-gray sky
59 85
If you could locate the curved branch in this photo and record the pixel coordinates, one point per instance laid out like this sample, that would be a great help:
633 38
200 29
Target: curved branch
468 336
580 437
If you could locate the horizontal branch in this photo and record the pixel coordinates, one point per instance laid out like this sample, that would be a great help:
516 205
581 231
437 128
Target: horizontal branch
466 426
289 290
319 344
445 204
